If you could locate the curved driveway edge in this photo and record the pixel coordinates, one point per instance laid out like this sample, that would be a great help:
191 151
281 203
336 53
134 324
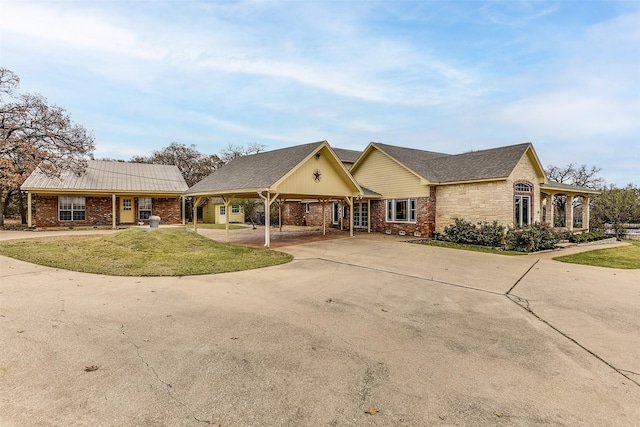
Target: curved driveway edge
352 332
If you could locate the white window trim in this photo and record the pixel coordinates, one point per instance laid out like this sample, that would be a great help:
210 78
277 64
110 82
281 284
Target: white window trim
235 209
390 213
74 208
140 208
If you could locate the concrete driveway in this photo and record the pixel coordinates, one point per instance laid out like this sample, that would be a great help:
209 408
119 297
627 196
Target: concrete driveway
362 331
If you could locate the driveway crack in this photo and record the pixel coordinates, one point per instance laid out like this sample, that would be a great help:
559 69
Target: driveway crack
524 303
167 385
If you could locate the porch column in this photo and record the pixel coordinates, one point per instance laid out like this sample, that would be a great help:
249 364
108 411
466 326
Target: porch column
349 201
227 206
113 211
196 202
569 213
184 207
368 215
29 222
268 200
585 211
549 214
324 202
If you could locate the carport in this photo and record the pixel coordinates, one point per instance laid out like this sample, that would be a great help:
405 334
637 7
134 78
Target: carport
310 171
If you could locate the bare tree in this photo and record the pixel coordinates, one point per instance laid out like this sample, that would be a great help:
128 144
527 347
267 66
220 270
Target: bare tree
193 165
35 134
581 176
232 151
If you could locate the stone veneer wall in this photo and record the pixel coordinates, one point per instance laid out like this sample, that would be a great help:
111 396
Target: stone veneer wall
487 201
474 202
98 211
425 217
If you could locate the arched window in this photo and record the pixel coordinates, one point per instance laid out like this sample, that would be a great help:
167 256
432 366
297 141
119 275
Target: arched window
522 186
522 203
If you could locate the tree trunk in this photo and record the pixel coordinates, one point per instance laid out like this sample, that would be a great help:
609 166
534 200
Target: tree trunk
23 208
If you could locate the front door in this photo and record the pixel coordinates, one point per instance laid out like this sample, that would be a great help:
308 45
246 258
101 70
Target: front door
223 214
360 215
127 215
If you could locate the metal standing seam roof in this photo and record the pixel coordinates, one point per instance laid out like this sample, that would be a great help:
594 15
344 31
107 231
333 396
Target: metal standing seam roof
109 176
475 165
260 170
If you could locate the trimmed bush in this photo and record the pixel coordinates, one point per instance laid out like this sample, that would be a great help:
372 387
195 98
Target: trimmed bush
484 234
533 238
587 237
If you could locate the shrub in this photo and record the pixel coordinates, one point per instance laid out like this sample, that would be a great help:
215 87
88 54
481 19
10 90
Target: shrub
461 232
491 234
587 237
485 234
536 237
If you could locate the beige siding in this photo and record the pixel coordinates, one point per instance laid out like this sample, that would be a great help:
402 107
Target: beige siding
208 213
385 176
334 180
486 201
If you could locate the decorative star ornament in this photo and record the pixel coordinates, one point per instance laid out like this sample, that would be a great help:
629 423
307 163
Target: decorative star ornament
317 175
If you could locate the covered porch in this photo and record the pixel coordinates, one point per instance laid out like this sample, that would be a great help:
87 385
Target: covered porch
565 207
305 172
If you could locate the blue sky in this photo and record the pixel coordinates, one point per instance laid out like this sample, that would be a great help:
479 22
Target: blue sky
448 76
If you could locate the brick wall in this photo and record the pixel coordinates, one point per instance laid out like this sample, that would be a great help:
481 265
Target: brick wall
425 217
99 212
167 209
293 213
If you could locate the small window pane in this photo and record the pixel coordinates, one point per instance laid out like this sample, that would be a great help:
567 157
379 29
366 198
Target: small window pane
401 210
522 187
235 209
223 210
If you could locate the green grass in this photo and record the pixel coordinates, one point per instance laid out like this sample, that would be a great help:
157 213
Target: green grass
473 248
218 226
141 252
621 257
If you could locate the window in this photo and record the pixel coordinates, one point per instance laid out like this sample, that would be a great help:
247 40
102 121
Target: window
522 208
522 187
522 203
223 210
71 208
401 210
144 207
126 205
235 209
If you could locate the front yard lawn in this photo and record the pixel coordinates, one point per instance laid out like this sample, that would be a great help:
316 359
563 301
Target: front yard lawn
473 248
218 226
141 252
620 257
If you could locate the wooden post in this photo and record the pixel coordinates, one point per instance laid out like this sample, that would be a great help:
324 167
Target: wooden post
114 207
29 222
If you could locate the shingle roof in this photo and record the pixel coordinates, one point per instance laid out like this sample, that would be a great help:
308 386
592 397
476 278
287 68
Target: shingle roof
552 185
112 176
347 155
260 170
475 165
